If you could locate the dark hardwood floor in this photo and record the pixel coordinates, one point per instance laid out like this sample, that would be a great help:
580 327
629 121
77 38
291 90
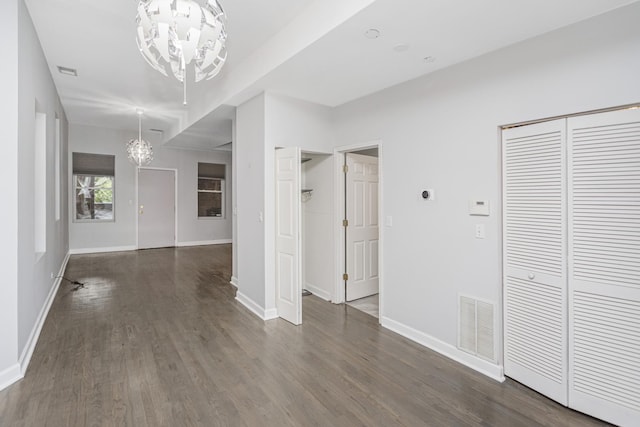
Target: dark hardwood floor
157 339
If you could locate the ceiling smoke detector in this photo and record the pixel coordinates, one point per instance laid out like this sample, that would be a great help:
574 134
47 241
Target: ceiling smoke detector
68 71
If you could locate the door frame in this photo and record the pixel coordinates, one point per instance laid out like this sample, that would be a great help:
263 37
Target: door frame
339 206
175 175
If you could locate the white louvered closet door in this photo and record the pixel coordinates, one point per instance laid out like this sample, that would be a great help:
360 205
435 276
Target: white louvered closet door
535 311
604 265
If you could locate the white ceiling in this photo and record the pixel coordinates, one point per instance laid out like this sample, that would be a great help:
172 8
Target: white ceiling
337 66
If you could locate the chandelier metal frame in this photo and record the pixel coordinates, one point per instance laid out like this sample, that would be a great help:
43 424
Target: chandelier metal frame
172 34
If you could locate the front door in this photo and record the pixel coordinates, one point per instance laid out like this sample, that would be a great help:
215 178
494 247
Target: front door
156 208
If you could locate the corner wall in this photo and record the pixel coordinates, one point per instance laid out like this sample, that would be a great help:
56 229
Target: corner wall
262 124
441 131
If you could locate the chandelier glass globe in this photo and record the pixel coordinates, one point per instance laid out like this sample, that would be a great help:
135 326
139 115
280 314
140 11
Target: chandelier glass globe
139 151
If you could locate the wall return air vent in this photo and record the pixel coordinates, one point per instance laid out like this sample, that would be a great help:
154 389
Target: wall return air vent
476 329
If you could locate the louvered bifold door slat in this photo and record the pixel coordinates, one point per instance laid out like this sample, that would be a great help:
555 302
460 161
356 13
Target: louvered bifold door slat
604 265
534 179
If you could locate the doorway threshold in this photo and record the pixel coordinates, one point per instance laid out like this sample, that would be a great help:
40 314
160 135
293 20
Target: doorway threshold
369 305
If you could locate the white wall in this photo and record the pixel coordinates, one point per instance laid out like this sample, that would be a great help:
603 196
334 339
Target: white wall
249 155
441 132
9 179
121 234
27 288
35 83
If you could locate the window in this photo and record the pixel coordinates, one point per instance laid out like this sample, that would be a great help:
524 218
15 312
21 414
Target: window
211 178
93 180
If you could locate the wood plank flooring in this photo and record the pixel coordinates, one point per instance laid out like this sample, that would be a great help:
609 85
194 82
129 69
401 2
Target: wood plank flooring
157 339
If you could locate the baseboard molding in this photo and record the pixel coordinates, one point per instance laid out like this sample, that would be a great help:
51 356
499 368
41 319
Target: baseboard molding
495 372
320 293
83 251
255 308
10 376
234 281
205 242
27 352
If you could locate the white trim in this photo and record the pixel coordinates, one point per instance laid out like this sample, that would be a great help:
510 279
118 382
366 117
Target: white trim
27 352
320 293
339 238
205 242
255 308
81 251
234 281
489 369
10 376
175 202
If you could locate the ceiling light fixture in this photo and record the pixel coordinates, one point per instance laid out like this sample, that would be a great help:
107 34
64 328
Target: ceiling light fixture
139 151
400 48
372 33
174 33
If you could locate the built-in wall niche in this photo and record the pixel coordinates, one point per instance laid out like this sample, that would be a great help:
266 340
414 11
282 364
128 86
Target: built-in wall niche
211 190
40 181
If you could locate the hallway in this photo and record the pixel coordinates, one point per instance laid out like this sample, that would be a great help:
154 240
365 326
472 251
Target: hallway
155 338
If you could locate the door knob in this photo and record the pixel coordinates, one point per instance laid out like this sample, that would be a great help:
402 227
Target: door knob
532 276
141 210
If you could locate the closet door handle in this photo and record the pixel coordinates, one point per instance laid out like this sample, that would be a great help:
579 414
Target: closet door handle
532 276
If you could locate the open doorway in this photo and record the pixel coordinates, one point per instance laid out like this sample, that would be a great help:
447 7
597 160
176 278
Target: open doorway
303 229
358 202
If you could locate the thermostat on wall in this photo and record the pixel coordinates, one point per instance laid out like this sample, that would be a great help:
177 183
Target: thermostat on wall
428 194
479 207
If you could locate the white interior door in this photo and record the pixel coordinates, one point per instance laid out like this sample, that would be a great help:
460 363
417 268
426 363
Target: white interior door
156 208
362 226
535 286
288 235
604 265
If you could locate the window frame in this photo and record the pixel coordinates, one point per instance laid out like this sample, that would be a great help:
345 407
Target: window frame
222 197
75 195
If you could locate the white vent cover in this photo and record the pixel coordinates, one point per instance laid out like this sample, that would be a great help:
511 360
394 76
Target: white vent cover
476 327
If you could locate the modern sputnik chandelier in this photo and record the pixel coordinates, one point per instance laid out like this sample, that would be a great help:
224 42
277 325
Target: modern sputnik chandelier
175 33
139 151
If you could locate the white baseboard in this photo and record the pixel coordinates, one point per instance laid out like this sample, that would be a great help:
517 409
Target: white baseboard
234 281
489 369
10 376
82 251
271 314
255 308
320 293
205 242
27 352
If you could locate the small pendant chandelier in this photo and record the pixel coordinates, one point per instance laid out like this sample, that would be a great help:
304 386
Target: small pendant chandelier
175 33
139 151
